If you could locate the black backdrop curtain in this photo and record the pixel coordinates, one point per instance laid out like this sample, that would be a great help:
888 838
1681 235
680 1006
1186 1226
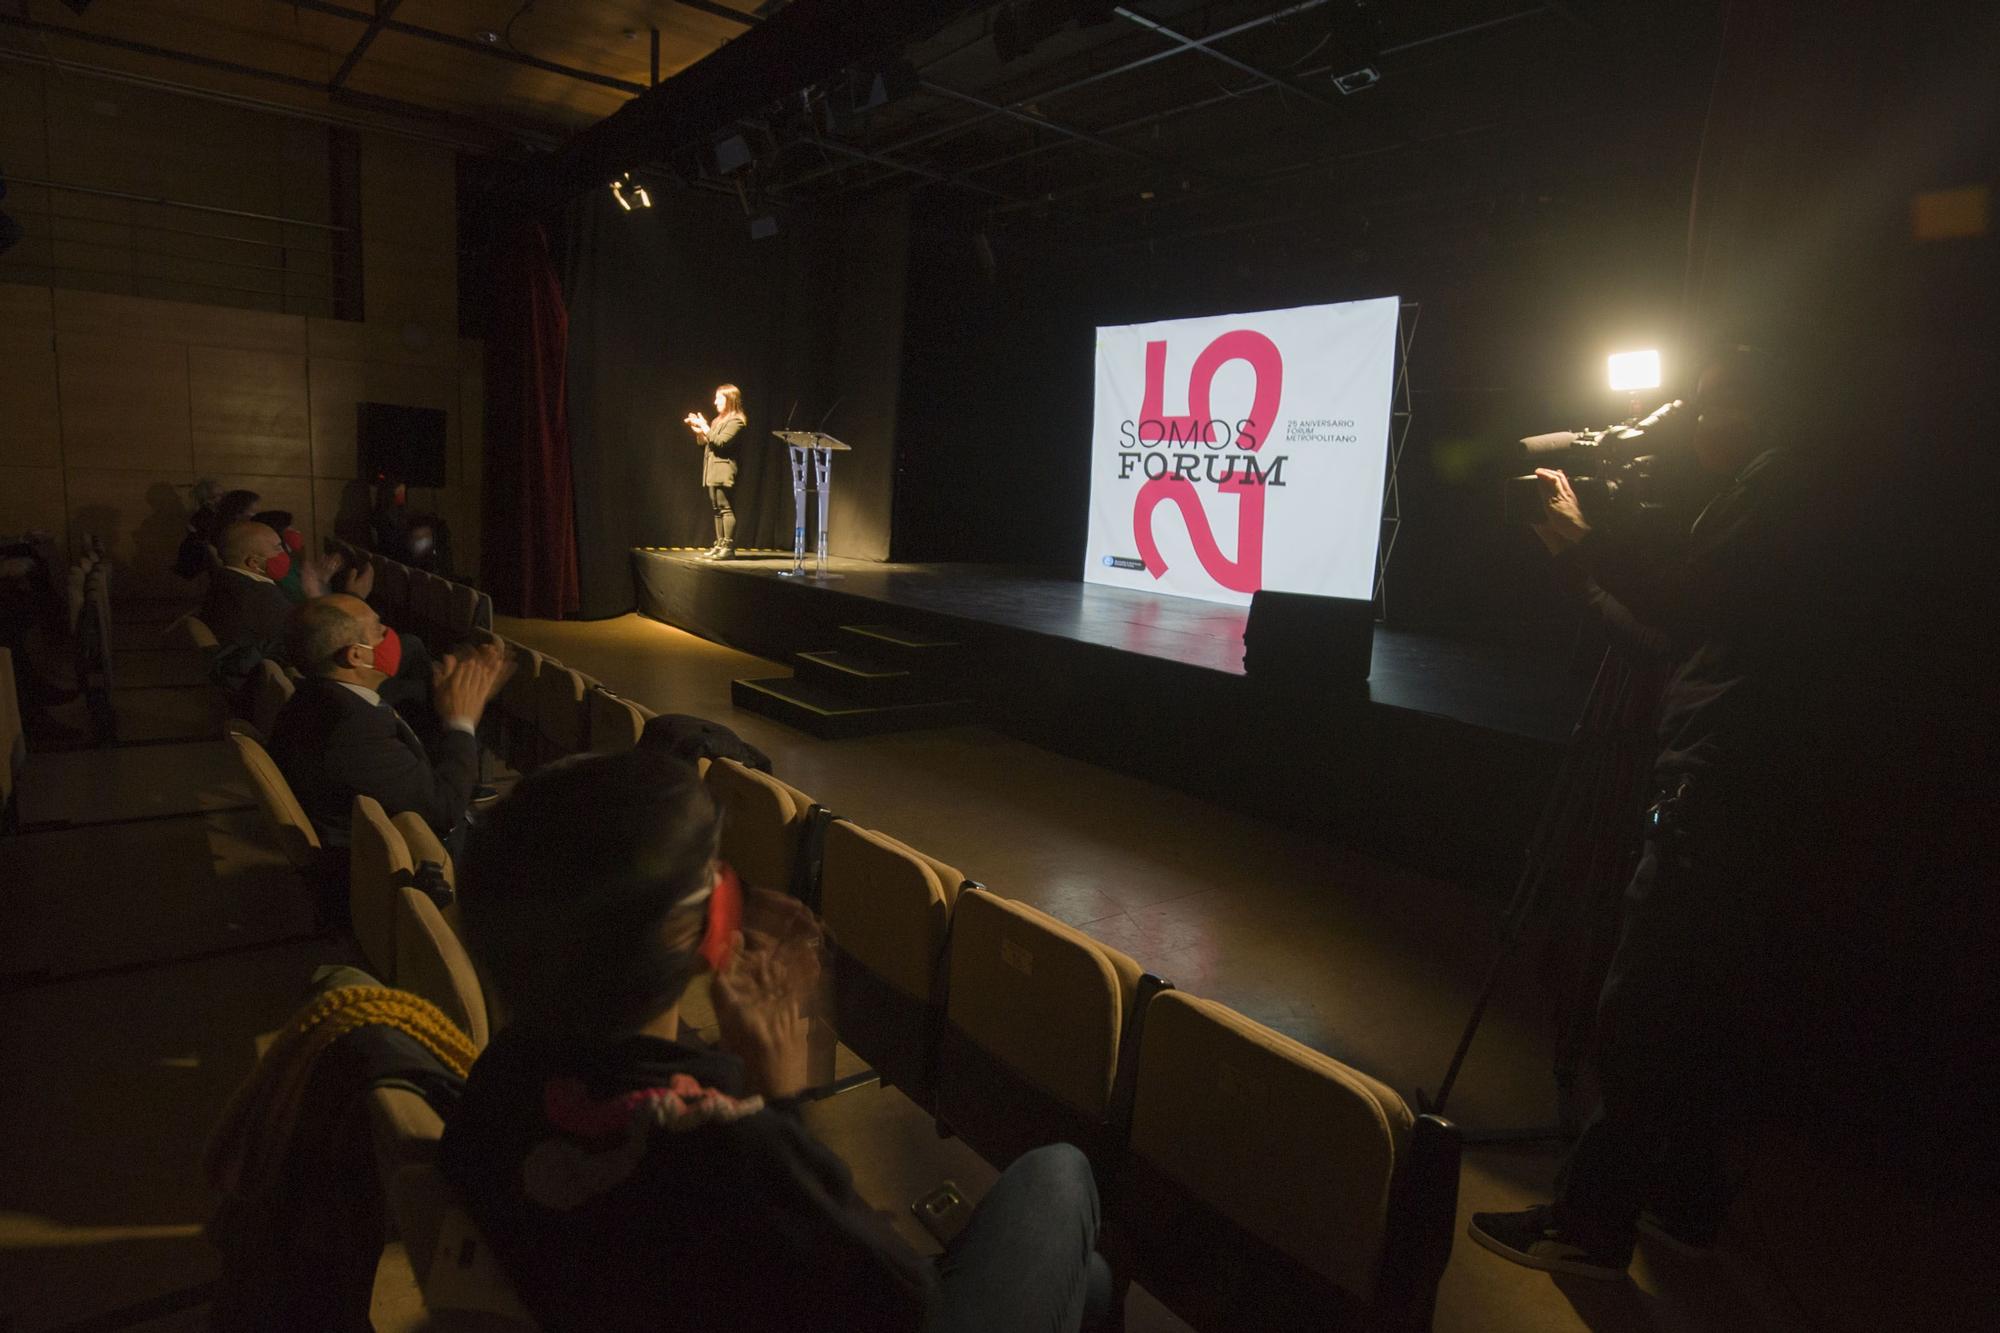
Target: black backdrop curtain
665 303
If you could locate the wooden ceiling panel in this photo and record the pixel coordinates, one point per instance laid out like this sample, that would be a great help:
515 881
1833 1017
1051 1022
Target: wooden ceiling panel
467 83
290 52
584 34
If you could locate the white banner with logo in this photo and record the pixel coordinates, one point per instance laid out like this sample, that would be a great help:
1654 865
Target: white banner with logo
1236 452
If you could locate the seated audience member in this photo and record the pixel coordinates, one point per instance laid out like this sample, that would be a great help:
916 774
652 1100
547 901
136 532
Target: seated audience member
298 582
427 545
337 738
245 607
197 548
389 523
629 1180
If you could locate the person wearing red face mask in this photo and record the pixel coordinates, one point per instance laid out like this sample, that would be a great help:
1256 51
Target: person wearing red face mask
337 738
245 606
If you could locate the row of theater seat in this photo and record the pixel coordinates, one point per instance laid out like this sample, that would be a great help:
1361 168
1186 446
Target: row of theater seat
1238 1165
414 601
1249 1180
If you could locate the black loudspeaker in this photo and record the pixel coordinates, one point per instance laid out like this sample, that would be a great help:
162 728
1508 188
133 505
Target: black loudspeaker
1297 639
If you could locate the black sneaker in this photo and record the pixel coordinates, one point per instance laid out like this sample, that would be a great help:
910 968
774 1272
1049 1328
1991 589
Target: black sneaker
1532 1239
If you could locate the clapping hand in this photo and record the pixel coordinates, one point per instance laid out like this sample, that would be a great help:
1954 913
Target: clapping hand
763 1001
461 687
316 574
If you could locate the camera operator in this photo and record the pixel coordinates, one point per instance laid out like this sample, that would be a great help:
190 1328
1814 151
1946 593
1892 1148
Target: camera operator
1691 983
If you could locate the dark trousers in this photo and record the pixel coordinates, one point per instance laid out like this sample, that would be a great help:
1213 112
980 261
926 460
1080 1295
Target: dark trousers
725 515
1027 1261
1677 1056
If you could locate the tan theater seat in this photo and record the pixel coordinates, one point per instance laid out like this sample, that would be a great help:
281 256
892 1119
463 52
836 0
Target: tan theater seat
190 631
465 1289
392 590
464 612
1261 1172
762 819
430 958
520 697
615 722
378 867
294 832
559 711
886 907
462 1284
440 609
270 692
431 962
1035 1012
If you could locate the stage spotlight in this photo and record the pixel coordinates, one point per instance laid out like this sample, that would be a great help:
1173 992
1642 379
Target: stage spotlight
624 183
1635 370
1355 80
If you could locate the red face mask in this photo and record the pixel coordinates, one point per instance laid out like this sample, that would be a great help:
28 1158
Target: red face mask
725 918
389 652
294 539
277 566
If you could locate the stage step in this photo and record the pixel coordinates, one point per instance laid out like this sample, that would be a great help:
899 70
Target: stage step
836 715
901 647
862 678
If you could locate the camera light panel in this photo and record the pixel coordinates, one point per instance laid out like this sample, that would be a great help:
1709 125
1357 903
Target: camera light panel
1635 370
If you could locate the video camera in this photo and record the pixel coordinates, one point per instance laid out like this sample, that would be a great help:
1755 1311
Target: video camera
1612 479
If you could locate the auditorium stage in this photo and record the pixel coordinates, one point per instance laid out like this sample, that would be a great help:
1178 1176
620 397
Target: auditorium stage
1442 760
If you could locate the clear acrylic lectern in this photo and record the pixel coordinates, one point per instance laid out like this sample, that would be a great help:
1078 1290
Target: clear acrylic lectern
819 448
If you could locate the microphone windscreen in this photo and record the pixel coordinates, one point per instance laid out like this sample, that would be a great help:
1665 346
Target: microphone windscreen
1550 443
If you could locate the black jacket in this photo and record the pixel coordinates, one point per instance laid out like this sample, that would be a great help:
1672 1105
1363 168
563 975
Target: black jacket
718 452
1731 614
665 1200
247 616
332 745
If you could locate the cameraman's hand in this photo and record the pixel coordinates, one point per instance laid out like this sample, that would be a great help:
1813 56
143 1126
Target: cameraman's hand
1564 527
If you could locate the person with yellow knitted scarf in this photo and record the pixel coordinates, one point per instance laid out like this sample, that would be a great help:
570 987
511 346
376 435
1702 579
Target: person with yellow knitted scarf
300 1222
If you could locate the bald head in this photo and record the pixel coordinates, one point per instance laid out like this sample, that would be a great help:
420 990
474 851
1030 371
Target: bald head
242 540
321 631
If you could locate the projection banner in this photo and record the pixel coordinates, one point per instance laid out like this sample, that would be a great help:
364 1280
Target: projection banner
1237 452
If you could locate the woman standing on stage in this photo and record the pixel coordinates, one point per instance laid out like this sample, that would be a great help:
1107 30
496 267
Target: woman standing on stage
718 464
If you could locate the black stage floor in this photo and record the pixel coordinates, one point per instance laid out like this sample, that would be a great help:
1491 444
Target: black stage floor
1522 688
1443 761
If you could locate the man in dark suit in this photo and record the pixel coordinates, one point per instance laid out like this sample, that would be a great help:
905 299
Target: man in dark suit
337 739
245 607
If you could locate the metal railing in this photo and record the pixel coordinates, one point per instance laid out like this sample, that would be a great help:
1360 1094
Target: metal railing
150 246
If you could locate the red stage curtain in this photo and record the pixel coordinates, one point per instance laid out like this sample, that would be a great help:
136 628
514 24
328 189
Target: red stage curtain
530 547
